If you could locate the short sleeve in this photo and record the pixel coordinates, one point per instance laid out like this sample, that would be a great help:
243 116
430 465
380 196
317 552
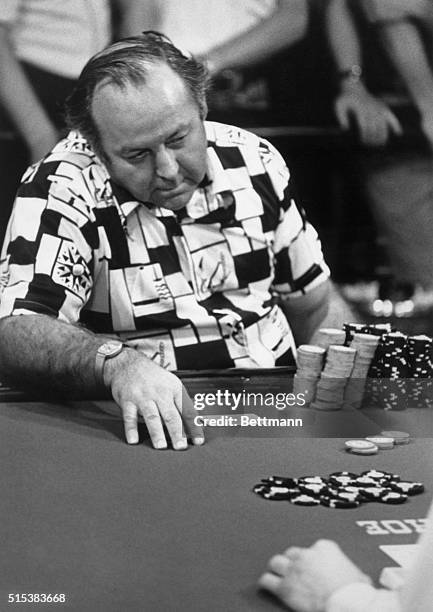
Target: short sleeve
47 259
299 261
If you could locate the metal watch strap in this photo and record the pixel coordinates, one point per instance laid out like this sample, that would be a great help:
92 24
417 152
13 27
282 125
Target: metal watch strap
108 350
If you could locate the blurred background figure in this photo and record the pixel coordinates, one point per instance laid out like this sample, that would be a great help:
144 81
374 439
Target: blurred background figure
44 44
235 40
384 94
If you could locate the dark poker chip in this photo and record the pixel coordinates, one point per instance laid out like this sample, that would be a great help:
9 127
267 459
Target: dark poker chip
374 493
280 481
365 481
314 489
304 500
407 488
333 502
313 480
393 498
380 475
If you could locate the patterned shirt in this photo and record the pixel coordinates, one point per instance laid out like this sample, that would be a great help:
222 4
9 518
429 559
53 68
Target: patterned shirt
193 289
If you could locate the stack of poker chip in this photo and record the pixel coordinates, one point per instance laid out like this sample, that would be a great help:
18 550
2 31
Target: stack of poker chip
365 346
332 382
391 370
329 335
419 349
309 360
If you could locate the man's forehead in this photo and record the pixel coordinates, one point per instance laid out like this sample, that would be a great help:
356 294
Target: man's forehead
160 84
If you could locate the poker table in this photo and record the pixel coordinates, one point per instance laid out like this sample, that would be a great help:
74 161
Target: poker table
117 527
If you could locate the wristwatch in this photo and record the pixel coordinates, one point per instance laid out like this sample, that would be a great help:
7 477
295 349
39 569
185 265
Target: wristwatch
108 350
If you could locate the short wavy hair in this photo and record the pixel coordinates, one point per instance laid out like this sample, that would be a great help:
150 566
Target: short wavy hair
126 61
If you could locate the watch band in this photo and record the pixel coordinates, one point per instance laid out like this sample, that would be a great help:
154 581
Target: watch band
108 350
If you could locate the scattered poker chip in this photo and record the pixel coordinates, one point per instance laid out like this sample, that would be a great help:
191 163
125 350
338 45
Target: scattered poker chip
407 488
312 488
365 481
380 475
372 450
332 502
284 481
374 493
381 442
358 445
393 498
312 480
304 500
400 437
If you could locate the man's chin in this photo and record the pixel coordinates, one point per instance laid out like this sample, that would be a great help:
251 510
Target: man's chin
174 203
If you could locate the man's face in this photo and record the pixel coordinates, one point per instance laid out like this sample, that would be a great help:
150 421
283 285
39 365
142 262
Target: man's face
153 137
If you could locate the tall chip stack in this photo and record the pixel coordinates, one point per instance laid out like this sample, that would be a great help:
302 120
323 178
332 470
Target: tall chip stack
309 361
392 371
332 382
419 350
365 346
329 335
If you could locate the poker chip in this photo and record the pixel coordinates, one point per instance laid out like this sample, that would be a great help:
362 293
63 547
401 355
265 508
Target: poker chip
381 442
332 502
379 475
365 481
361 447
304 500
313 489
392 497
284 481
374 493
407 487
400 437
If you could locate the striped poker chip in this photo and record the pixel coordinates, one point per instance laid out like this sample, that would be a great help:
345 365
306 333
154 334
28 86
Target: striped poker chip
340 504
365 481
373 450
380 475
312 480
400 437
374 493
304 500
314 489
407 488
283 481
392 497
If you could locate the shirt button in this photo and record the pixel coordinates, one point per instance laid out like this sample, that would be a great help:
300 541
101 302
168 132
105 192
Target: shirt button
78 269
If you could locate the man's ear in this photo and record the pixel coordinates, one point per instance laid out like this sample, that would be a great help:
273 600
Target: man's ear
204 110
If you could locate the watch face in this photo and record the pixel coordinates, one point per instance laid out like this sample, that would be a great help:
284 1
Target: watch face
110 347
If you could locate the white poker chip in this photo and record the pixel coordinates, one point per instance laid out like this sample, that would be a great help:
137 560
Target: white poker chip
365 451
381 441
359 444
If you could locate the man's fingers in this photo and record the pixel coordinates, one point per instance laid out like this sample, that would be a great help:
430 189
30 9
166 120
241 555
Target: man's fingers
342 113
270 582
186 408
129 412
279 564
152 418
173 422
293 552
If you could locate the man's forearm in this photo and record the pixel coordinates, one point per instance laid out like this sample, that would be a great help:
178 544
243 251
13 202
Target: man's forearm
42 353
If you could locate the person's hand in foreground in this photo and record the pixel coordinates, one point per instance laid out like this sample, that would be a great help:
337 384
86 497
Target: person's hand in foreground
305 578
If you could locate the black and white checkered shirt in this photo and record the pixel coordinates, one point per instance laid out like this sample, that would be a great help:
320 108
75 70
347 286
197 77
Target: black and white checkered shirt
192 289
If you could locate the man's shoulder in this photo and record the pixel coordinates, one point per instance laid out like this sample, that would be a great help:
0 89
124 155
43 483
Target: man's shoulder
224 135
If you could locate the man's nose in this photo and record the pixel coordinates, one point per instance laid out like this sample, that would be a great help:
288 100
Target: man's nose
166 166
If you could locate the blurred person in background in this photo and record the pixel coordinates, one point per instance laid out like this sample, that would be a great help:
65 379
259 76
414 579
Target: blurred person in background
44 44
385 84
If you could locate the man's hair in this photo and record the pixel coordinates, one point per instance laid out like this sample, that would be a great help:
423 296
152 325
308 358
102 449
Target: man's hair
127 61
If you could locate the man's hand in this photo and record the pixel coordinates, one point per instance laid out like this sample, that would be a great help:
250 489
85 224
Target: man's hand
373 118
304 578
142 388
382 10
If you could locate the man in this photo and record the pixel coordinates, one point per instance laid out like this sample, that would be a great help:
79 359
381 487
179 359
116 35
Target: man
151 225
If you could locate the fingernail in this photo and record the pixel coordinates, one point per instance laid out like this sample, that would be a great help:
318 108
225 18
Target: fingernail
132 438
198 441
181 444
159 444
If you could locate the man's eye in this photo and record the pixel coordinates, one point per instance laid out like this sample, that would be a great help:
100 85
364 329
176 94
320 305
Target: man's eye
137 156
177 140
